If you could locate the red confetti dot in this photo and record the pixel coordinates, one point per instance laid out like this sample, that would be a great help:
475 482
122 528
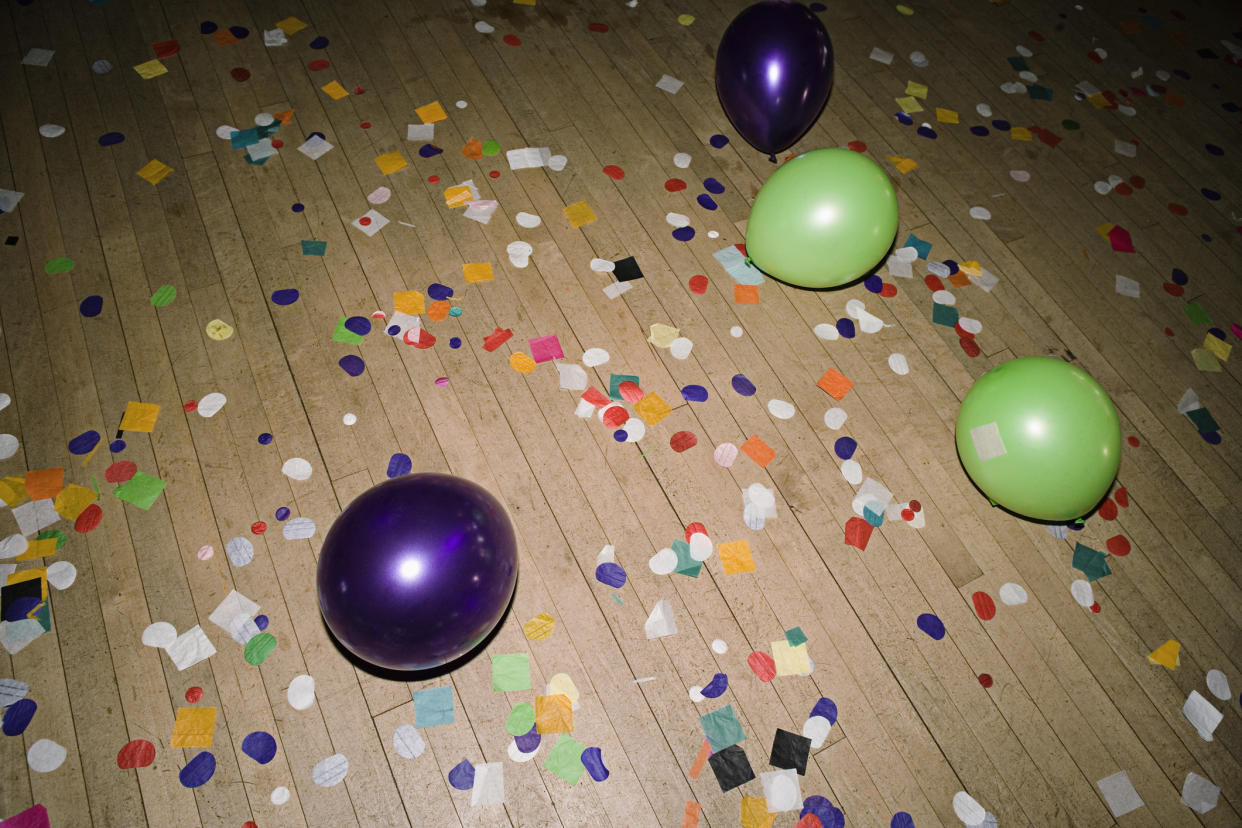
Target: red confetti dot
683 440
1173 289
809 820
1118 545
433 179
889 290
258 527
962 332
1177 209
915 506
250 823
136 754
1138 182
88 519
494 174
1035 36
985 607
857 146
1123 189
190 406
694 528
1108 509
318 65
970 347
365 124
614 172
240 75
365 221
1121 495
358 90
598 27
674 185
907 515
513 40
120 471
1096 607
933 282
615 416
985 679
1133 441
1168 332
763 665
698 284
277 143
194 695
630 392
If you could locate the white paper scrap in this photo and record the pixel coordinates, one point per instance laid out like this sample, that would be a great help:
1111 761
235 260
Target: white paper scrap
1202 714
1119 793
661 623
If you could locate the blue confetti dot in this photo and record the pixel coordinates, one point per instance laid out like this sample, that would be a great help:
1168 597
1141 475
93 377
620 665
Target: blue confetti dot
199 770
265 438
259 746
399 465
116 446
1229 106
979 130
1213 149
715 688
951 265
707 202
826 708
359 325
593 761
455 342
239 32
694 393
282 513
713 186
298 207
320 42
845 327
109 139
845 447
438 291
1000 125
429 151
903 118
352 365
718 140
461 776
317 135
454 311
1210 195
1179 276
829 815
528 741
84 443
1077 527
927 132
901 820
610 574
683 234
620 435
1212 437
873 283
261 621
393 330
207 27
1206 237
931 625
17 717
1218 333
1182 73
817 7
285 296
743 386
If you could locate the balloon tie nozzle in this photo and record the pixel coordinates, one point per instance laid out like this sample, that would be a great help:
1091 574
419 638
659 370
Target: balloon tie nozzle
772 158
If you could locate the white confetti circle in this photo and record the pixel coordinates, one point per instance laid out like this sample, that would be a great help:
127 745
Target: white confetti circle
663 562
527 220
677 219
898 363
1218 683
1012 594
62 574
5 400
483 27
852 472
379 195
45 756
725 454
981 213
681 160
349 419
700 547
834 418
736 332
517 755
225 132
680 347
944 297
969 325
299 528
51 130
1021 176
984 110
1024 51
635 430
296 468
160 634
240 551
781 410
817 728
301 692
696 694
719 647
826 331
8 446
408 742
12 546
280 795
461 104
330 771
210 405
1082 592
1102 187
557 163
968 810
592 357
101 67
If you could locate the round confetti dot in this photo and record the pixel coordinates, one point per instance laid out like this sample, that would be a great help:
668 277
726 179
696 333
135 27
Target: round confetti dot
320 42
762 665
259 746
101 67
301 692
888 291
694 393
713 186
931 625
979 130
190 406
258 527
159 634
845 327
205 552
698 284
610 574
1118 545
925 131
743 386
199 770
512 40
539 628
296 468
259 648
330 771
985 607
136 754
597 27
706 202
352 364
265 438
719 647
683 234
399 465
45 756
17 717
718 141
88 519
116 447
1209 194
873 283
682 441
60 264
985 679
120 471
408 742
240 74
84 443
614 172
1178 209
725 455
240 551
904 119
239 32
51 130
781 410
109 139
521 363
845 447
1213 149
1107 510
674 185
62 574
194 695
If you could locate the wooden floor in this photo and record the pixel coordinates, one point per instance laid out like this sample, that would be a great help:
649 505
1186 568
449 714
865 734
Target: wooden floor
1073 697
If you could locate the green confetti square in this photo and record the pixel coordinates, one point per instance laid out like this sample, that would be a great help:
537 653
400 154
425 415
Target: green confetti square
141 490
510 672
795 637
565 759
344 334
1197 314
314 248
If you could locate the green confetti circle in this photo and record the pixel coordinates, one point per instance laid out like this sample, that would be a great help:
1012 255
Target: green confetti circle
164 296
521 720
1069 123
61 264
259 648
491 147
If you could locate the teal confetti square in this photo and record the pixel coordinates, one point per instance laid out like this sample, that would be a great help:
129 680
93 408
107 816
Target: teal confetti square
433 706
1091 562
944 315
614 384
314 248
686 565
722 728
795 637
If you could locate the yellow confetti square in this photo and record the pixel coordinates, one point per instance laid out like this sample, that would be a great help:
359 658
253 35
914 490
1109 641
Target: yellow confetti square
1219 347
195 727
409 301
662 335
1167 655
431 113
290 25
916 90
1020 134
39 575
1098 100
790 661
458 195
12 490
903 165
946 116
390 162
36 549
335 91
651 408
523 2
540 627
1104 229
579 213
971 268
909 104
477 272
72 501
155 171
735 557
153 68
755 812
140 416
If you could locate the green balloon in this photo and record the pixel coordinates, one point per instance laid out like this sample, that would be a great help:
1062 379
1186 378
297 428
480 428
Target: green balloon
1040 437
823 219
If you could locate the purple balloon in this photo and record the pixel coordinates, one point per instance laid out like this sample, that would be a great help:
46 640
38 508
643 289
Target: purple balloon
774 73
417 571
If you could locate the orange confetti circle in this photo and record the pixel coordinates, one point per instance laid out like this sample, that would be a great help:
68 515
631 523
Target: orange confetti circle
521 363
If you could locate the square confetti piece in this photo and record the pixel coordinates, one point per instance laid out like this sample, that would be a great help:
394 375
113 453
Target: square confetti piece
410 302
731 767
790 661
314 147
36 549
1091 562
795 636
141 490
44 483
391 162
1218 347
154 171
194 728
909 104
916 90
291 25
722 728
565 759
835 384
224 37
987 441
736 557
152 68
669 84
652 408
1020 134
433 706
904 165
139 416
370 222
579 214
755 813
1119 793
344 334
946 315
746 294
510 671
858 533
790 751
189 648
946 116
759 451
923 248
335 91
545 348
1205 360
554 714
458 195
1196 314
314 248
614 384
477 272
431 113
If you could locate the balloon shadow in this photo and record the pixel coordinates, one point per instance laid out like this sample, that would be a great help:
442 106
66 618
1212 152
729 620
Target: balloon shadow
1069 524
390 674
863 277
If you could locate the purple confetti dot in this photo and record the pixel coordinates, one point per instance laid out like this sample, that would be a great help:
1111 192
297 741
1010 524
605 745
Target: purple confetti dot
1182 73
979 130
320 42
259 746
110 138
1179 276
261 621
1229 106
282 513
528 741
817 7
719 140
359 325
1211 437
683 234
239 32
927 132
116 446
399 465
903 118
829 815
1000 125
439 292
461 776
393 330
352 365
455 342
298 207
17 717
285 296
1206 237
429 151
1213 149
199 770
84 443
694 393
716 687
743 386
845 327
707 202
1210 194
873 283
610 574
951 265
845 447
620 435
265 438
901 820
931 625
593 761
1218 333
713 186
826 708
207 27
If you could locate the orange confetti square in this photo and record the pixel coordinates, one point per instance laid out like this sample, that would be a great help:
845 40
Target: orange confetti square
652 408
959 279
194 728
139 416
473 149
409 301
554 714
835 384
690 819
224 37
759 451
284 117
478 272
736 557
44 483
438 311
457 195
431 113
746 294
701 760
579 214
335 91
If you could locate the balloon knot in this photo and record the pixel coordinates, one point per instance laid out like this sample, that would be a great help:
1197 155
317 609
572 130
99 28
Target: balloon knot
772 158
